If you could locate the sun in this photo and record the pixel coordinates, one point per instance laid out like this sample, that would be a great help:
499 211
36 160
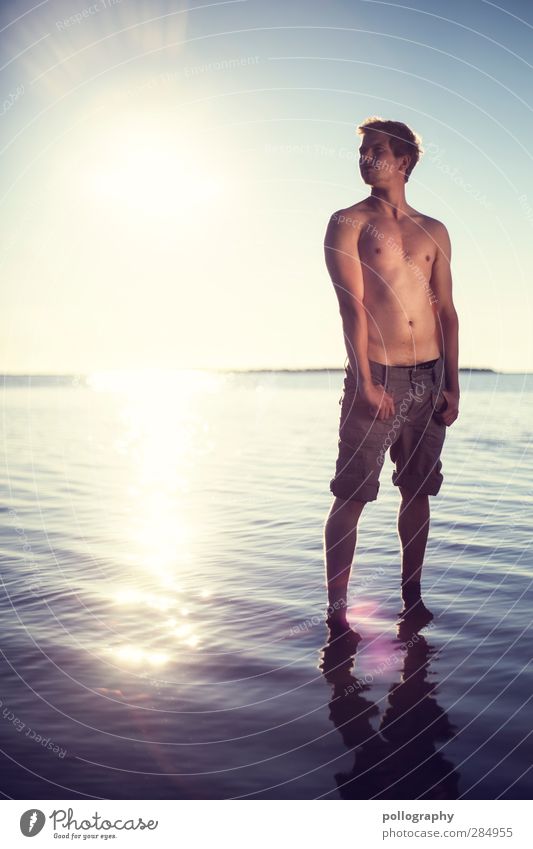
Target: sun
147 167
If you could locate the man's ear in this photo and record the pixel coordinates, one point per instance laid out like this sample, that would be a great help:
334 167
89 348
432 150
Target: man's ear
405 162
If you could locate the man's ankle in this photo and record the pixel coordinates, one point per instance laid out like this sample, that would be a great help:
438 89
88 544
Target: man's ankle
336 610
411 592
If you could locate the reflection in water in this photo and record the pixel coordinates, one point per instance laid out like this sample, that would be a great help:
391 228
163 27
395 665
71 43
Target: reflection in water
165 632
135 655
165 425
400 761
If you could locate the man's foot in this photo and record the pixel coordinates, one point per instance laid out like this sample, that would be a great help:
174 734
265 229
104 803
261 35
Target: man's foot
340 630
416 614
413 606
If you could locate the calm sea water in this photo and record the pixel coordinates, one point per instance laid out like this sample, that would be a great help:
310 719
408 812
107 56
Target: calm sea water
163 588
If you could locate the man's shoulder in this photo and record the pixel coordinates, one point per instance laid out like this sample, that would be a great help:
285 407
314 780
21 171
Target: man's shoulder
351 216
431 225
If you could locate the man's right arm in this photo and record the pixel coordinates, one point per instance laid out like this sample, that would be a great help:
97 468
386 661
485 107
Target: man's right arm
344 267
342 261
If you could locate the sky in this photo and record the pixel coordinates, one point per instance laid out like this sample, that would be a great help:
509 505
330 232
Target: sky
169 169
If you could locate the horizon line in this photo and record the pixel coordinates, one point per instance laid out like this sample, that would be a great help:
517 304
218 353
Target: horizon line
312 369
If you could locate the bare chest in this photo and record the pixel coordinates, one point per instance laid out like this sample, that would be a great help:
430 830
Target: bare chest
387 247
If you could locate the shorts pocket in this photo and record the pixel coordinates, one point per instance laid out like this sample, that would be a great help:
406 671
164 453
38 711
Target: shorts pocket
438 401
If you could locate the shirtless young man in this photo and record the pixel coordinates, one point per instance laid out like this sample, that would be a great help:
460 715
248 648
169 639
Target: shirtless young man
390 267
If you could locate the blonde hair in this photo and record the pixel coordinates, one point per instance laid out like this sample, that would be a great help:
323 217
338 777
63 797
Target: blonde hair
403 140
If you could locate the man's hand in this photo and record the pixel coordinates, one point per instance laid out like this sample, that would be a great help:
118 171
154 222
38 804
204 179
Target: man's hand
448 413
379 402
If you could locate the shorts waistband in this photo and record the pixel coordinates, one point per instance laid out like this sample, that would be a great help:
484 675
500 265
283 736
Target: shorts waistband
427 364
430 369
387 372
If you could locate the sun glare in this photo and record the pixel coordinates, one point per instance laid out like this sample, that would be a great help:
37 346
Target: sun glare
139 382
154 166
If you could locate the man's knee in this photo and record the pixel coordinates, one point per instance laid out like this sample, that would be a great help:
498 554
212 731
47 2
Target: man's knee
346 509
411 496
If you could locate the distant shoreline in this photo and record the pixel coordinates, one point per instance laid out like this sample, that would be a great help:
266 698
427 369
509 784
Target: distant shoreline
81 379
312 370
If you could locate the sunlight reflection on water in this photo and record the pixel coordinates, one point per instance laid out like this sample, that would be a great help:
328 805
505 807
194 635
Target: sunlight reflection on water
165 557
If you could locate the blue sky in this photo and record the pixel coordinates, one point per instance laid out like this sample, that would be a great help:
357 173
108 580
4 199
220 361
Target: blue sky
169 170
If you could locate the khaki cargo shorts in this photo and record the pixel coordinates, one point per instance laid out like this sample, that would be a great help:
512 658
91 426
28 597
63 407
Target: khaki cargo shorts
414 435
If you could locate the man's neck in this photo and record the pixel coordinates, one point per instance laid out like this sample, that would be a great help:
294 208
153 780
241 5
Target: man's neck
390 201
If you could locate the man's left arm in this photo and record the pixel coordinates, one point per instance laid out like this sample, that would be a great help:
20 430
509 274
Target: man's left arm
441 288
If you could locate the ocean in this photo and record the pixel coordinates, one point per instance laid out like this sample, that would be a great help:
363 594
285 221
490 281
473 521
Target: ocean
163 594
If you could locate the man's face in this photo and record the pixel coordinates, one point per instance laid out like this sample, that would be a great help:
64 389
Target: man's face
377 163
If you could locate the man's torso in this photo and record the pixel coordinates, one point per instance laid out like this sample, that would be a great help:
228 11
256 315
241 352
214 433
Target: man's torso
396 259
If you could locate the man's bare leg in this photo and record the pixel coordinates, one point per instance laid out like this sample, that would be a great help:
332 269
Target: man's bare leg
413 528
340 537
